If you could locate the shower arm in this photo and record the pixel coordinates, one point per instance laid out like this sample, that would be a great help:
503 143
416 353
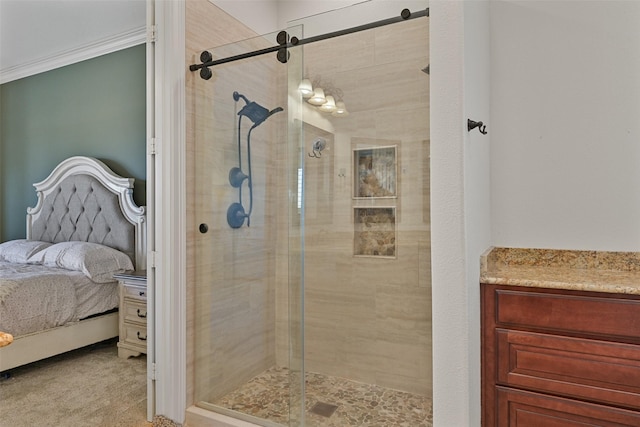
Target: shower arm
237 96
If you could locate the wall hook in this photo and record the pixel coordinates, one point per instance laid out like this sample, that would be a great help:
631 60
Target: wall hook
471 125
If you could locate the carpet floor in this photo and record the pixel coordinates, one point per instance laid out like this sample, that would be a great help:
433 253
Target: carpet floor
89 387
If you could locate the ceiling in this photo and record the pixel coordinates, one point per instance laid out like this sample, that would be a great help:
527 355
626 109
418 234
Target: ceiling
34 30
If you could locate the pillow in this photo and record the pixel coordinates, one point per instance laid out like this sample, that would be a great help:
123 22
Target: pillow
97 262
19 251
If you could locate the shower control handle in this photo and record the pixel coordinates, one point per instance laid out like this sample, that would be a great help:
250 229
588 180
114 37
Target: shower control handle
236 215
237 177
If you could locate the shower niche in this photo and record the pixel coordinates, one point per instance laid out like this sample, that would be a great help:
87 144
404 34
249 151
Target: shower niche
374 232
375 172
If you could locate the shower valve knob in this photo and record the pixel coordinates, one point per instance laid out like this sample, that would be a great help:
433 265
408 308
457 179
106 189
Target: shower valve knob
236 215
236 177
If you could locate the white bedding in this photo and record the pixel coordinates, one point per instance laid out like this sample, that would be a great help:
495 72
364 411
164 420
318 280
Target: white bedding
46 297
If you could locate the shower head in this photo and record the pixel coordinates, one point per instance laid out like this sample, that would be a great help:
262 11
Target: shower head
317 146
254 111
319 143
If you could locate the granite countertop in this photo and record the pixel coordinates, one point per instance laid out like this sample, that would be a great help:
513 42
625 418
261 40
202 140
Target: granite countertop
613 272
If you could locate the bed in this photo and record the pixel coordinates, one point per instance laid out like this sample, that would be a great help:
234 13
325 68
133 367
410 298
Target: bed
57 291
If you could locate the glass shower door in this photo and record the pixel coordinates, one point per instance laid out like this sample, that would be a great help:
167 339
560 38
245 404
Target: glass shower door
366 216
248 268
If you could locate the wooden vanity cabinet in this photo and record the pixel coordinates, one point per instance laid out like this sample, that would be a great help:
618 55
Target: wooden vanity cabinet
559 358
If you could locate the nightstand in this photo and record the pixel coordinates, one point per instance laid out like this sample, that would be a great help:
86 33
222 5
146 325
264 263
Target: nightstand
133 313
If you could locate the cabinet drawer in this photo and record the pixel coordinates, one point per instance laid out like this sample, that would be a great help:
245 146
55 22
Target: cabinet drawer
134 334
135 311
135 292
577 314
598 371
525 409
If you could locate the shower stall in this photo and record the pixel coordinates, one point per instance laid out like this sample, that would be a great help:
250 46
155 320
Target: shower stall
312 282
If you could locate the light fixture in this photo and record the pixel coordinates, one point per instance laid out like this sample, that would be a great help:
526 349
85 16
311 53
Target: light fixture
318 97
305 88
341 110
329 106
325 102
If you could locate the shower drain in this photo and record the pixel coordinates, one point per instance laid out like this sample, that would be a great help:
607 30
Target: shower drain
323 409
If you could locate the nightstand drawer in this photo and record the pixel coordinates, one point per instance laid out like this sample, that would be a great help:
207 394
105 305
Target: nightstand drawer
135 292
134 311
135 335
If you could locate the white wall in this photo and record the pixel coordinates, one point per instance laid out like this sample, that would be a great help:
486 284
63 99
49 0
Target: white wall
460 207
565 106
477 183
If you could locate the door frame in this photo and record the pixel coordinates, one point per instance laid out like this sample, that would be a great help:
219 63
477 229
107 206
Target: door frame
167 253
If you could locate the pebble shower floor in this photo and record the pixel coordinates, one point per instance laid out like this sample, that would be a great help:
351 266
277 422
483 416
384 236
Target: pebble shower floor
364 405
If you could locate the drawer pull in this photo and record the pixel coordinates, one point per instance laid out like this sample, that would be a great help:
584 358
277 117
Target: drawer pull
141 293
140 315
141 338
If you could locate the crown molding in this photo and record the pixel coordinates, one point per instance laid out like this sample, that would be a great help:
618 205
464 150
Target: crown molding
72 56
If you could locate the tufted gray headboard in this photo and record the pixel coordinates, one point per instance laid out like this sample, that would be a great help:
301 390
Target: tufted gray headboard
83 200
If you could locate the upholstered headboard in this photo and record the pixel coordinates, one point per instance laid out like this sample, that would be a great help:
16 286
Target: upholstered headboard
83 200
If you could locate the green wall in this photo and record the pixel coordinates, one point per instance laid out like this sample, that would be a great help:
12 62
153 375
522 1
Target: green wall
93 108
